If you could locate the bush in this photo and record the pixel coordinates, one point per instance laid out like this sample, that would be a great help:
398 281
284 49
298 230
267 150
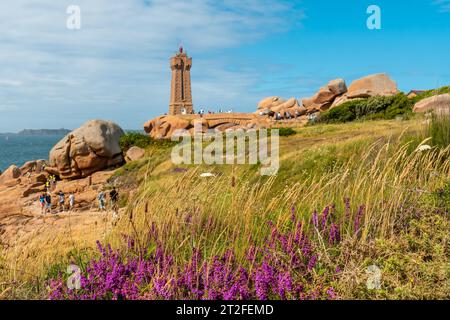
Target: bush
137 139
378 107
141 140
285 132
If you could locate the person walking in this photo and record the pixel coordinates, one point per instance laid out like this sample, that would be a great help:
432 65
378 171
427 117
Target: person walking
71 201
61 201
48 203
42 202
101 201
114 195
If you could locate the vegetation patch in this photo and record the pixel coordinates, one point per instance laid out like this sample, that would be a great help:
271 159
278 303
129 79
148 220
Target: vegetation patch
378 107
141 140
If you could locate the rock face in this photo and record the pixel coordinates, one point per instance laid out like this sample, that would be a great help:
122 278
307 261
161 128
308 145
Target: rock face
88 149
13 172
270 102
165 126
437 103
373 85
272 106
325 97
134 153
37 166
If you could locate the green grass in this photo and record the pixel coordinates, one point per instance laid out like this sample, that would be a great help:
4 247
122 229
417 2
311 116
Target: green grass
439 128
141 140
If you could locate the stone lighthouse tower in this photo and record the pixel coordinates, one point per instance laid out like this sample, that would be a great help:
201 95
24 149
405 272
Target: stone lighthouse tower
180 92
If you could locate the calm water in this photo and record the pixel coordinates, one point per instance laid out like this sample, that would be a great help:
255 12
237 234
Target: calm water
18 149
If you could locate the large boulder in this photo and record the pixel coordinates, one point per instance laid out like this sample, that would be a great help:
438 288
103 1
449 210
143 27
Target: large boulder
436 103
164 127
13 172
134 153
291 103
326 95
373 85
369 86
270 102
36 166
92 147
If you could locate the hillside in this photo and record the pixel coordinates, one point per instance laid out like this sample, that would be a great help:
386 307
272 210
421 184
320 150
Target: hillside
386 204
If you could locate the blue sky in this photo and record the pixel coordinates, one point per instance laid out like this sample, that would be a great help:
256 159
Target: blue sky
116 67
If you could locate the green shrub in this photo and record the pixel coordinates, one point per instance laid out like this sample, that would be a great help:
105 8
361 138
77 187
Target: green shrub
343 113
141 140
285 132
137 139
378 107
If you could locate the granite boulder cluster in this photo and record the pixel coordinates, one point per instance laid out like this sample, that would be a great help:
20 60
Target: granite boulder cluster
329 96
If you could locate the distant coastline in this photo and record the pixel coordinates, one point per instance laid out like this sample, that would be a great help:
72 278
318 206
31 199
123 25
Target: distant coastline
39 132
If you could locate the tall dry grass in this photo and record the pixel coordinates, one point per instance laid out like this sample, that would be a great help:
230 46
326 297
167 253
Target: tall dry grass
227 211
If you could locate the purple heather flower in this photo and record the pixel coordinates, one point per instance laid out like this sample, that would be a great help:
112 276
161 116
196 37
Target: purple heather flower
324 217
312 262
359 215
315 219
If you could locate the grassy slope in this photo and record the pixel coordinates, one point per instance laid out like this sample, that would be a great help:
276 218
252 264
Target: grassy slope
367 162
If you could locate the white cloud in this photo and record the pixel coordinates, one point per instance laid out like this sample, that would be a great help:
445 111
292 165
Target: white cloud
116 66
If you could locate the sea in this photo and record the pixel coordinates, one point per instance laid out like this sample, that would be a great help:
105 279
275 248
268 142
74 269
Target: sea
18 149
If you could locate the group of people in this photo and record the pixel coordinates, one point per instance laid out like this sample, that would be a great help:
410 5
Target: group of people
45 201
287 115
50 184
202 111
113 195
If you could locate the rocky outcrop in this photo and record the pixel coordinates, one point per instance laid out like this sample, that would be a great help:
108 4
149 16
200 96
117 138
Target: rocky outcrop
35 166
88 149
439 103
326 95
276 106
134 153
12 173
373 85
165 126
270 102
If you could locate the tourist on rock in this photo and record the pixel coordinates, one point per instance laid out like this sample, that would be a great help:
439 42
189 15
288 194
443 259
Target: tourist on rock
42 202
114 195
61 201
71 201
48 203
101 201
